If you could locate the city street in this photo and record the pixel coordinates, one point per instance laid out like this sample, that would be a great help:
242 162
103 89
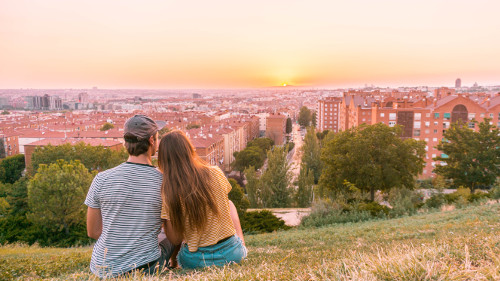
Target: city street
297 156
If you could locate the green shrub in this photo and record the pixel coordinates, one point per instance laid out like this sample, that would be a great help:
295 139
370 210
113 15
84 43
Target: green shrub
495 192
374 208
326 212
404 201
478 196
435 201
261 221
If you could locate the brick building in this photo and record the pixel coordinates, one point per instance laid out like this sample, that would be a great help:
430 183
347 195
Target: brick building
276 128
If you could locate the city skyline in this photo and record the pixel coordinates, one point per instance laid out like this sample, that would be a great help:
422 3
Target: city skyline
222 44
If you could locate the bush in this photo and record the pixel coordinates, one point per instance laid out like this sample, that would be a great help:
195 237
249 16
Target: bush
262 221
495 192
238 198
374 208
435 201
478 196
404 201
326 212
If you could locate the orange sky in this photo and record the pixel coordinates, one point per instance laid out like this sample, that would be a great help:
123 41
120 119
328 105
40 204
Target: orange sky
219 44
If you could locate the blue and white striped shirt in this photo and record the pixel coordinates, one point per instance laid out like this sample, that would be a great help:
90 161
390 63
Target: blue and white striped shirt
129 197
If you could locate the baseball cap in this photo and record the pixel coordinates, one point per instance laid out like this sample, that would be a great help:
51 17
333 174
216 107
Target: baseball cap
138 128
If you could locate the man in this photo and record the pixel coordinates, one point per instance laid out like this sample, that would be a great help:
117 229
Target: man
124 208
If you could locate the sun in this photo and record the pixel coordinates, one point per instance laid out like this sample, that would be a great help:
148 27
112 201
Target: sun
284 84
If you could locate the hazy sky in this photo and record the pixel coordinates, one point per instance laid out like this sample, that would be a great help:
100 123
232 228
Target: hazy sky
228 43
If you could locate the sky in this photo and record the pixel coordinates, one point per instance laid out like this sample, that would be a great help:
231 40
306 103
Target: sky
247 44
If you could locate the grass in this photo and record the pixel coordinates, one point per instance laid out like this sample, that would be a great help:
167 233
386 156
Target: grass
463 244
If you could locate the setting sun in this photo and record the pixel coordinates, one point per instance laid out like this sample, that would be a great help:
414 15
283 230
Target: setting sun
284 85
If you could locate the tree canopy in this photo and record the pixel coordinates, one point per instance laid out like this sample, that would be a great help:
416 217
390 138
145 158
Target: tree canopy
304 116
470 158
311 154
250 156
11 168
275 181
238 197
263 143
93 157
372 157
305 187
107 126
56 193
288 125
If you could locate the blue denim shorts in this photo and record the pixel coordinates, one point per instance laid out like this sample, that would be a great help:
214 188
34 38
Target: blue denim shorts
228 251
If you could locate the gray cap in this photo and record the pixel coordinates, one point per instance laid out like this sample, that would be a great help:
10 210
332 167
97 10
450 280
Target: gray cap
138 128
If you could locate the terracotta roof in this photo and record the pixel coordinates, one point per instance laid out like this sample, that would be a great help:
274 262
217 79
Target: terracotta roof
73 141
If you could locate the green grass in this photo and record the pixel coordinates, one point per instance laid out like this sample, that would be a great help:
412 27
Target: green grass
462 244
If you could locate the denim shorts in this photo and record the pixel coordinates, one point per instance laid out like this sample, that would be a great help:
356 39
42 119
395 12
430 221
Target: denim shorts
228 251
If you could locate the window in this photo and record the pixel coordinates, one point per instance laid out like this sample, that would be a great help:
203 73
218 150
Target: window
435 131
416 133
382 114
427 123
427 131
436 115
363 113
426 148
392 123
435 123
444 155
434 139
433 155
472 116
426 139
482 115
418 116
416 124
392 116
447 116
446 125
491 115
427 115
472 125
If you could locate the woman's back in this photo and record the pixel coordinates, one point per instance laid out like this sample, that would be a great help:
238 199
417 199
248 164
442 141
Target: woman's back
218 226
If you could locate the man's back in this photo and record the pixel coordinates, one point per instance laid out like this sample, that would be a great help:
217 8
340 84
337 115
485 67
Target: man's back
129 197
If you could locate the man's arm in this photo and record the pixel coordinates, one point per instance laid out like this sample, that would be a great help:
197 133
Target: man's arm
236 221
94 223
172 236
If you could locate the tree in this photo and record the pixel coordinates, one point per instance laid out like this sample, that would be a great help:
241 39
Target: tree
311 154
163 131
93 157
275 182
11 168
372 157
250 156
56 193
107 126
472 158
252 187
304 117
288 125
238 197
305 187
313 119
192 126
263 143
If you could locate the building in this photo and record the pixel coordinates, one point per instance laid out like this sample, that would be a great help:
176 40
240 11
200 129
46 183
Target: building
9 145
328 114
276 128
458 83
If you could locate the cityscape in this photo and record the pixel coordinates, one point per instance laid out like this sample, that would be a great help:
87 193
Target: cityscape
249 140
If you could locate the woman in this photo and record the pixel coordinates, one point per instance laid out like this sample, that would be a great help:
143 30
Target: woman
196 207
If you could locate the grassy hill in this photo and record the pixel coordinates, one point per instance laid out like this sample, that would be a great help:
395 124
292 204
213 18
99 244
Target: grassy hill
462 244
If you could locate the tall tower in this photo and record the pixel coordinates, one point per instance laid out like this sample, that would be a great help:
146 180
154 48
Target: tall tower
458 83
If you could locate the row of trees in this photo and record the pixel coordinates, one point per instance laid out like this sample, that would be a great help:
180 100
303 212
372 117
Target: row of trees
46 205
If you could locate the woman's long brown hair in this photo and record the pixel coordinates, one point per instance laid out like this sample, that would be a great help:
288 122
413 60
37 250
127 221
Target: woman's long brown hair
185 187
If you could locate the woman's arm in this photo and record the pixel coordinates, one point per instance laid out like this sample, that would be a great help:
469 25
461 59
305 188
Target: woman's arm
94 223
172 236
236 221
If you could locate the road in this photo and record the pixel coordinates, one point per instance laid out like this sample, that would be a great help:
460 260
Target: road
297 156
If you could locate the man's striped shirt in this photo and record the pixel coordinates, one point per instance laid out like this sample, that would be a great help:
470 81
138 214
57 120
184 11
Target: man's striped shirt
129 197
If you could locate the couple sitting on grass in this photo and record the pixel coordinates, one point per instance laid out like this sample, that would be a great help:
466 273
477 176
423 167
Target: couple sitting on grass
128 205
